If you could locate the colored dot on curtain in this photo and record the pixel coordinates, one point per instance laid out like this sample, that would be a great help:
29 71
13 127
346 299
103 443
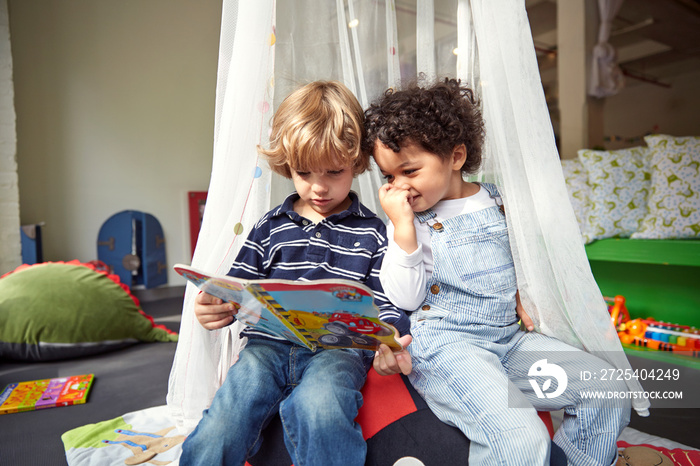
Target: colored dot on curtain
257 173
263 107
238 228
273 39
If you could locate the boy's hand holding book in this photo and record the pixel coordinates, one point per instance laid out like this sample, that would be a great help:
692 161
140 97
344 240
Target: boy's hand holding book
212 313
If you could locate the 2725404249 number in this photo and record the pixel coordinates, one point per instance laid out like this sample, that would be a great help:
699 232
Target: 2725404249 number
631 374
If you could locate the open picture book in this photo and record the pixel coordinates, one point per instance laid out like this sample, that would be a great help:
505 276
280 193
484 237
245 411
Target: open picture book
319 313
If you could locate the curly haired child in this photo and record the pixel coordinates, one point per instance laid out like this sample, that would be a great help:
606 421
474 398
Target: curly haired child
321 231
449 262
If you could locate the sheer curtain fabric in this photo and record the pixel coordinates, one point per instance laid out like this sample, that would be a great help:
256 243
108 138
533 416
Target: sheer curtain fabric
269 48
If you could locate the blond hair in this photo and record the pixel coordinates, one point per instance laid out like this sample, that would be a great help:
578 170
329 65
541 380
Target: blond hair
319 124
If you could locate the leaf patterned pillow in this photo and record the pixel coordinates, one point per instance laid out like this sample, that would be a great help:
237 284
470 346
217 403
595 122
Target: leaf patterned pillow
576 179
674 202
620 183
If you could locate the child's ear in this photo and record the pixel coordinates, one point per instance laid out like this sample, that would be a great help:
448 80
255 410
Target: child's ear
459 156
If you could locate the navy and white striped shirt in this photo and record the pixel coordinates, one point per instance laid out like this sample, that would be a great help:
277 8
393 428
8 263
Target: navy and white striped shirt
349 245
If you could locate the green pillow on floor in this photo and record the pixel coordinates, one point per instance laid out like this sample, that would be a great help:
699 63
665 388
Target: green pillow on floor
59 310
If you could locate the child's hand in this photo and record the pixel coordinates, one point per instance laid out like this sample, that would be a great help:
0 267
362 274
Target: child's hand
387 362
396 203
520 310
212 313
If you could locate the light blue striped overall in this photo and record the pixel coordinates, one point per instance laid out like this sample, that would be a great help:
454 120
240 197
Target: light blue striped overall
471 360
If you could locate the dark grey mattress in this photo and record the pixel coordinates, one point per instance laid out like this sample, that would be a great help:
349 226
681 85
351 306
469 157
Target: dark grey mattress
126 380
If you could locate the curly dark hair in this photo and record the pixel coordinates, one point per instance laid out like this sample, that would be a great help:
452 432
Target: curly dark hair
438 117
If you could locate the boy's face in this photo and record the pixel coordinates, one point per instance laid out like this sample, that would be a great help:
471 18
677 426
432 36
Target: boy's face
323 192
427 177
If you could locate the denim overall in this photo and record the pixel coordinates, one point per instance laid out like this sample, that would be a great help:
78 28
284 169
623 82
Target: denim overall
471 360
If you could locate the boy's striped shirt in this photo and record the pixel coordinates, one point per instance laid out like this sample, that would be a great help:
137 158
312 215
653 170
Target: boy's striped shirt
348 245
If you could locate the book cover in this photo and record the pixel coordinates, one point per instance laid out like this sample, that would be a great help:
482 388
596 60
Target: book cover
45 393
319 313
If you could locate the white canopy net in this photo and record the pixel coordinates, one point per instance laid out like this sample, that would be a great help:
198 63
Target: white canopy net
267 49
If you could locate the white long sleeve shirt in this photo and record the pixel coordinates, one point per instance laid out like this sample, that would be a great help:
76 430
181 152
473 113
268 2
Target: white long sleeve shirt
403 275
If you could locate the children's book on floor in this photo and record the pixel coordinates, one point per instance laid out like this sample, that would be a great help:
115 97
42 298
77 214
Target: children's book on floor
319 313
45 393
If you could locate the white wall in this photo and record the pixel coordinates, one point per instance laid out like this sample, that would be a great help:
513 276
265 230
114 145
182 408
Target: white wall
641 107
10 253
115 111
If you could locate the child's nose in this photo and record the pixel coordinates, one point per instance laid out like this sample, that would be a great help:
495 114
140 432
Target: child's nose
320 188
399 182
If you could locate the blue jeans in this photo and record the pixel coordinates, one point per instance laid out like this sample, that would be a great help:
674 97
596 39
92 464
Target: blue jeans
316 394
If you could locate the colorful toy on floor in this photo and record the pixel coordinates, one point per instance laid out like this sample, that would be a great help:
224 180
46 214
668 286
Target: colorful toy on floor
618 310
652 334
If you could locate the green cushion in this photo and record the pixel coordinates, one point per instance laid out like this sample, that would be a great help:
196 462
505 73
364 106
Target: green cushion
61 310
